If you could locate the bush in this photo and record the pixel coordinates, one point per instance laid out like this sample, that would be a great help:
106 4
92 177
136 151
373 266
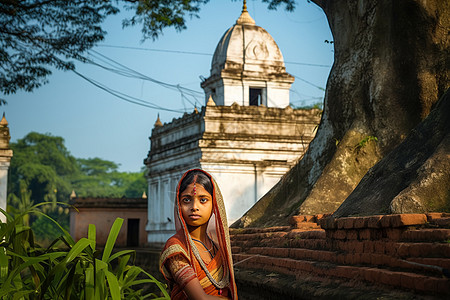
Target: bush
65 269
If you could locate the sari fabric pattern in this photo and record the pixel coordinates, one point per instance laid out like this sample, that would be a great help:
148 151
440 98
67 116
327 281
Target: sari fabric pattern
180 245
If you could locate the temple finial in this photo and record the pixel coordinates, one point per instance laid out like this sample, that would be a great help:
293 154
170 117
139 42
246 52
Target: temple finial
210 101
158 122
245 16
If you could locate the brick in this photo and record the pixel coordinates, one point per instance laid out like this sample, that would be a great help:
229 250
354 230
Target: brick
377 259
340 223
366 258
430 284
360 222
328 223
443 222
432 216
379 247
394 234
441 250
386 221
349 223
408 280
422 249
403 250
318 217
355 246
391 248
351 234
347 272
372 275
390 278
408 219
374 222
340 234
364 234
443 286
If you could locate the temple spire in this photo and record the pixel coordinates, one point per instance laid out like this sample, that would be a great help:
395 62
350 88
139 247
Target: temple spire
245 16
158 122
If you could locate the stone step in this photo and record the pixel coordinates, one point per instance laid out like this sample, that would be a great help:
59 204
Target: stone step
421 265
298 267
314 240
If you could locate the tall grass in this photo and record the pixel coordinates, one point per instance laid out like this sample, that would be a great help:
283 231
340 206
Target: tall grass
65 269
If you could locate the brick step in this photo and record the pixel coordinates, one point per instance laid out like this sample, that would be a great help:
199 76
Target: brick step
258 230
424 265
297 267
393 234
313 240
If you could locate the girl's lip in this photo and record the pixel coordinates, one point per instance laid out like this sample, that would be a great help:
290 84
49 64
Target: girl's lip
194 216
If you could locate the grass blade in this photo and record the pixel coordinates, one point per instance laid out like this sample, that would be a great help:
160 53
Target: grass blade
112 237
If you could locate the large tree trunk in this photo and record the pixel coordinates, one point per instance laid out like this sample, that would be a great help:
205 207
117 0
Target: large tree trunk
391 65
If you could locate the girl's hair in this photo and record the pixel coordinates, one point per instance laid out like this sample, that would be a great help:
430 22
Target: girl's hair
197 177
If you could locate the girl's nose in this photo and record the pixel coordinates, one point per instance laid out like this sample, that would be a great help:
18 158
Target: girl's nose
194 207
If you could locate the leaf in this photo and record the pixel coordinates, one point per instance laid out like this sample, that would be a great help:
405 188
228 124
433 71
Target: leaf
113 285
112 237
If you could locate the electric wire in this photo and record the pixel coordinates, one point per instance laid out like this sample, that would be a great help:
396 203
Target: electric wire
123 96
202 53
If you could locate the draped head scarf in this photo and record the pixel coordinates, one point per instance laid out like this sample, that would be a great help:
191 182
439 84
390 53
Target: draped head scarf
217 230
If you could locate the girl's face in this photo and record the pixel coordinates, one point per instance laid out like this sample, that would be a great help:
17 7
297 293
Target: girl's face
196 205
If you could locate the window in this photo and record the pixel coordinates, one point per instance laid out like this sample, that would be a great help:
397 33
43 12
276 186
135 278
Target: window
255 96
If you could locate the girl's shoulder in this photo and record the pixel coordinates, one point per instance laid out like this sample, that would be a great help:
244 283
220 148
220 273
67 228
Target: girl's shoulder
174 245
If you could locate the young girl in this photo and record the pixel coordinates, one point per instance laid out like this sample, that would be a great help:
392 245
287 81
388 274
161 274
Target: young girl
197 261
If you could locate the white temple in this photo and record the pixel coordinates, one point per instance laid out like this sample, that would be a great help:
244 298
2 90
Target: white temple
5 158
247 136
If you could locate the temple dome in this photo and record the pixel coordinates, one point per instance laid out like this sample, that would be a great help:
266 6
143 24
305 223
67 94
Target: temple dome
247 47
248 68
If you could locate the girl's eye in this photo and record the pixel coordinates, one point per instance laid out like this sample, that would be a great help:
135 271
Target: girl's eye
203 200
186 200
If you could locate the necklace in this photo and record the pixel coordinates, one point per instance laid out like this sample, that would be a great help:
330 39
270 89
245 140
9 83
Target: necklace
225 278
207 250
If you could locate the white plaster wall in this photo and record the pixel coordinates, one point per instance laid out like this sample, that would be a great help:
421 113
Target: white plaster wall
3 187
237 186
277 97
233 93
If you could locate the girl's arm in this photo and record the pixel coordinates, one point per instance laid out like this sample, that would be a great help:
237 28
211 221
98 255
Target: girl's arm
194 291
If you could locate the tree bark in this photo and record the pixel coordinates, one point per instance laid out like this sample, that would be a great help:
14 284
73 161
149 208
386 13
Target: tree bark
391 65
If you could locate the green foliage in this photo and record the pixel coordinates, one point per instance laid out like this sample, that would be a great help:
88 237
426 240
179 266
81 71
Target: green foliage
43 170
67 270
36 36
364 142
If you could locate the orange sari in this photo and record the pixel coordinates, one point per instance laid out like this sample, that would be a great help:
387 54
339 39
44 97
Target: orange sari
180 262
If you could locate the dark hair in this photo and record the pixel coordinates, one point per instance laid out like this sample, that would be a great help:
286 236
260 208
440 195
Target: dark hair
200 178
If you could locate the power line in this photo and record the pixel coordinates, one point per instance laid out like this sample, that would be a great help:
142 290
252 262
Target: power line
156 50
310 83
123 96
202 53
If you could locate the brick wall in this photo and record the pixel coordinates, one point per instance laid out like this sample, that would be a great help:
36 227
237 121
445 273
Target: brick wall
405 251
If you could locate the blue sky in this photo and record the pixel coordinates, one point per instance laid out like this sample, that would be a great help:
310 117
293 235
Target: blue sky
95 123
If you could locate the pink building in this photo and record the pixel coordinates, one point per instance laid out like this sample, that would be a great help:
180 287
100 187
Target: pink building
102 212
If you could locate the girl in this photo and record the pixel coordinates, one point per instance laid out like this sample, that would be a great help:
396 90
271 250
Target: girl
197 261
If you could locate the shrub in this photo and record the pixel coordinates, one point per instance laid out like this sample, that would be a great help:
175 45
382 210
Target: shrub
65 269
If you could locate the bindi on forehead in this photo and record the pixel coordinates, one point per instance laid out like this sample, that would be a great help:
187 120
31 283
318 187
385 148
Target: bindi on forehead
195 188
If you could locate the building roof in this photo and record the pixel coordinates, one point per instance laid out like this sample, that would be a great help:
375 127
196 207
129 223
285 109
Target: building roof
88 202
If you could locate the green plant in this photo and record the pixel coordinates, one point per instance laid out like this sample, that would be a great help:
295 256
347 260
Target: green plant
364 142
65 269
